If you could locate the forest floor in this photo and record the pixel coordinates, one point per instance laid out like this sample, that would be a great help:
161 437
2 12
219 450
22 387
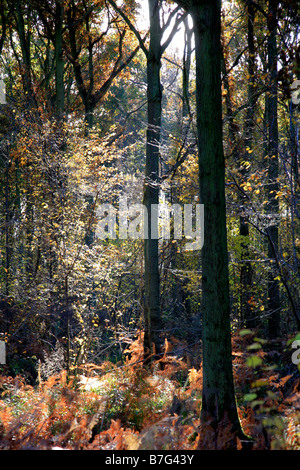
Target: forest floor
125 407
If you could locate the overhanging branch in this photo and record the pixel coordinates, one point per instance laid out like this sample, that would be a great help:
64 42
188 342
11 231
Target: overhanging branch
131 26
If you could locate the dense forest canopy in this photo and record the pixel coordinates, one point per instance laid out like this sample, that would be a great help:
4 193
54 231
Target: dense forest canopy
149 200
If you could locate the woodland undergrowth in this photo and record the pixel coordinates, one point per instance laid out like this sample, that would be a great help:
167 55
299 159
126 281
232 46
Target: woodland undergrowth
127 407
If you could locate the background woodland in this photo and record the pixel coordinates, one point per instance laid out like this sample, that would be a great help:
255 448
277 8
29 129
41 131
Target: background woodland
73 136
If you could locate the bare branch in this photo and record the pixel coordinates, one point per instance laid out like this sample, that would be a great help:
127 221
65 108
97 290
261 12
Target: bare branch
131 26
178 20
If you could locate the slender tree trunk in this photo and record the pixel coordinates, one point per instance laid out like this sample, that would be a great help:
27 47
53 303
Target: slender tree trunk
67 315
7 232
273 205
59 62
24 38
246 268
188 32
151 189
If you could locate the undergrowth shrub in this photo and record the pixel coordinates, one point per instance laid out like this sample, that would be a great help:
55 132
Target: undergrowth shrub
128 407
130 393
56 414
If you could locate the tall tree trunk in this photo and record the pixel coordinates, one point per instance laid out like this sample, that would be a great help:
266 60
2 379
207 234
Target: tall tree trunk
246 268
24 38
218 389
7 231
59 62
151 189
273 204
188 32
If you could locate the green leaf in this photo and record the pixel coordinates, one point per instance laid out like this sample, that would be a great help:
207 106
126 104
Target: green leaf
260 383
254 346
269 368
250 396
245 332
260 340
253 361
257 403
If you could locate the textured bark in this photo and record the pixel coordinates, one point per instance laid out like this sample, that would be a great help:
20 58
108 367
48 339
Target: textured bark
151 189
218 395
246 268
24 38
273 204
59 62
